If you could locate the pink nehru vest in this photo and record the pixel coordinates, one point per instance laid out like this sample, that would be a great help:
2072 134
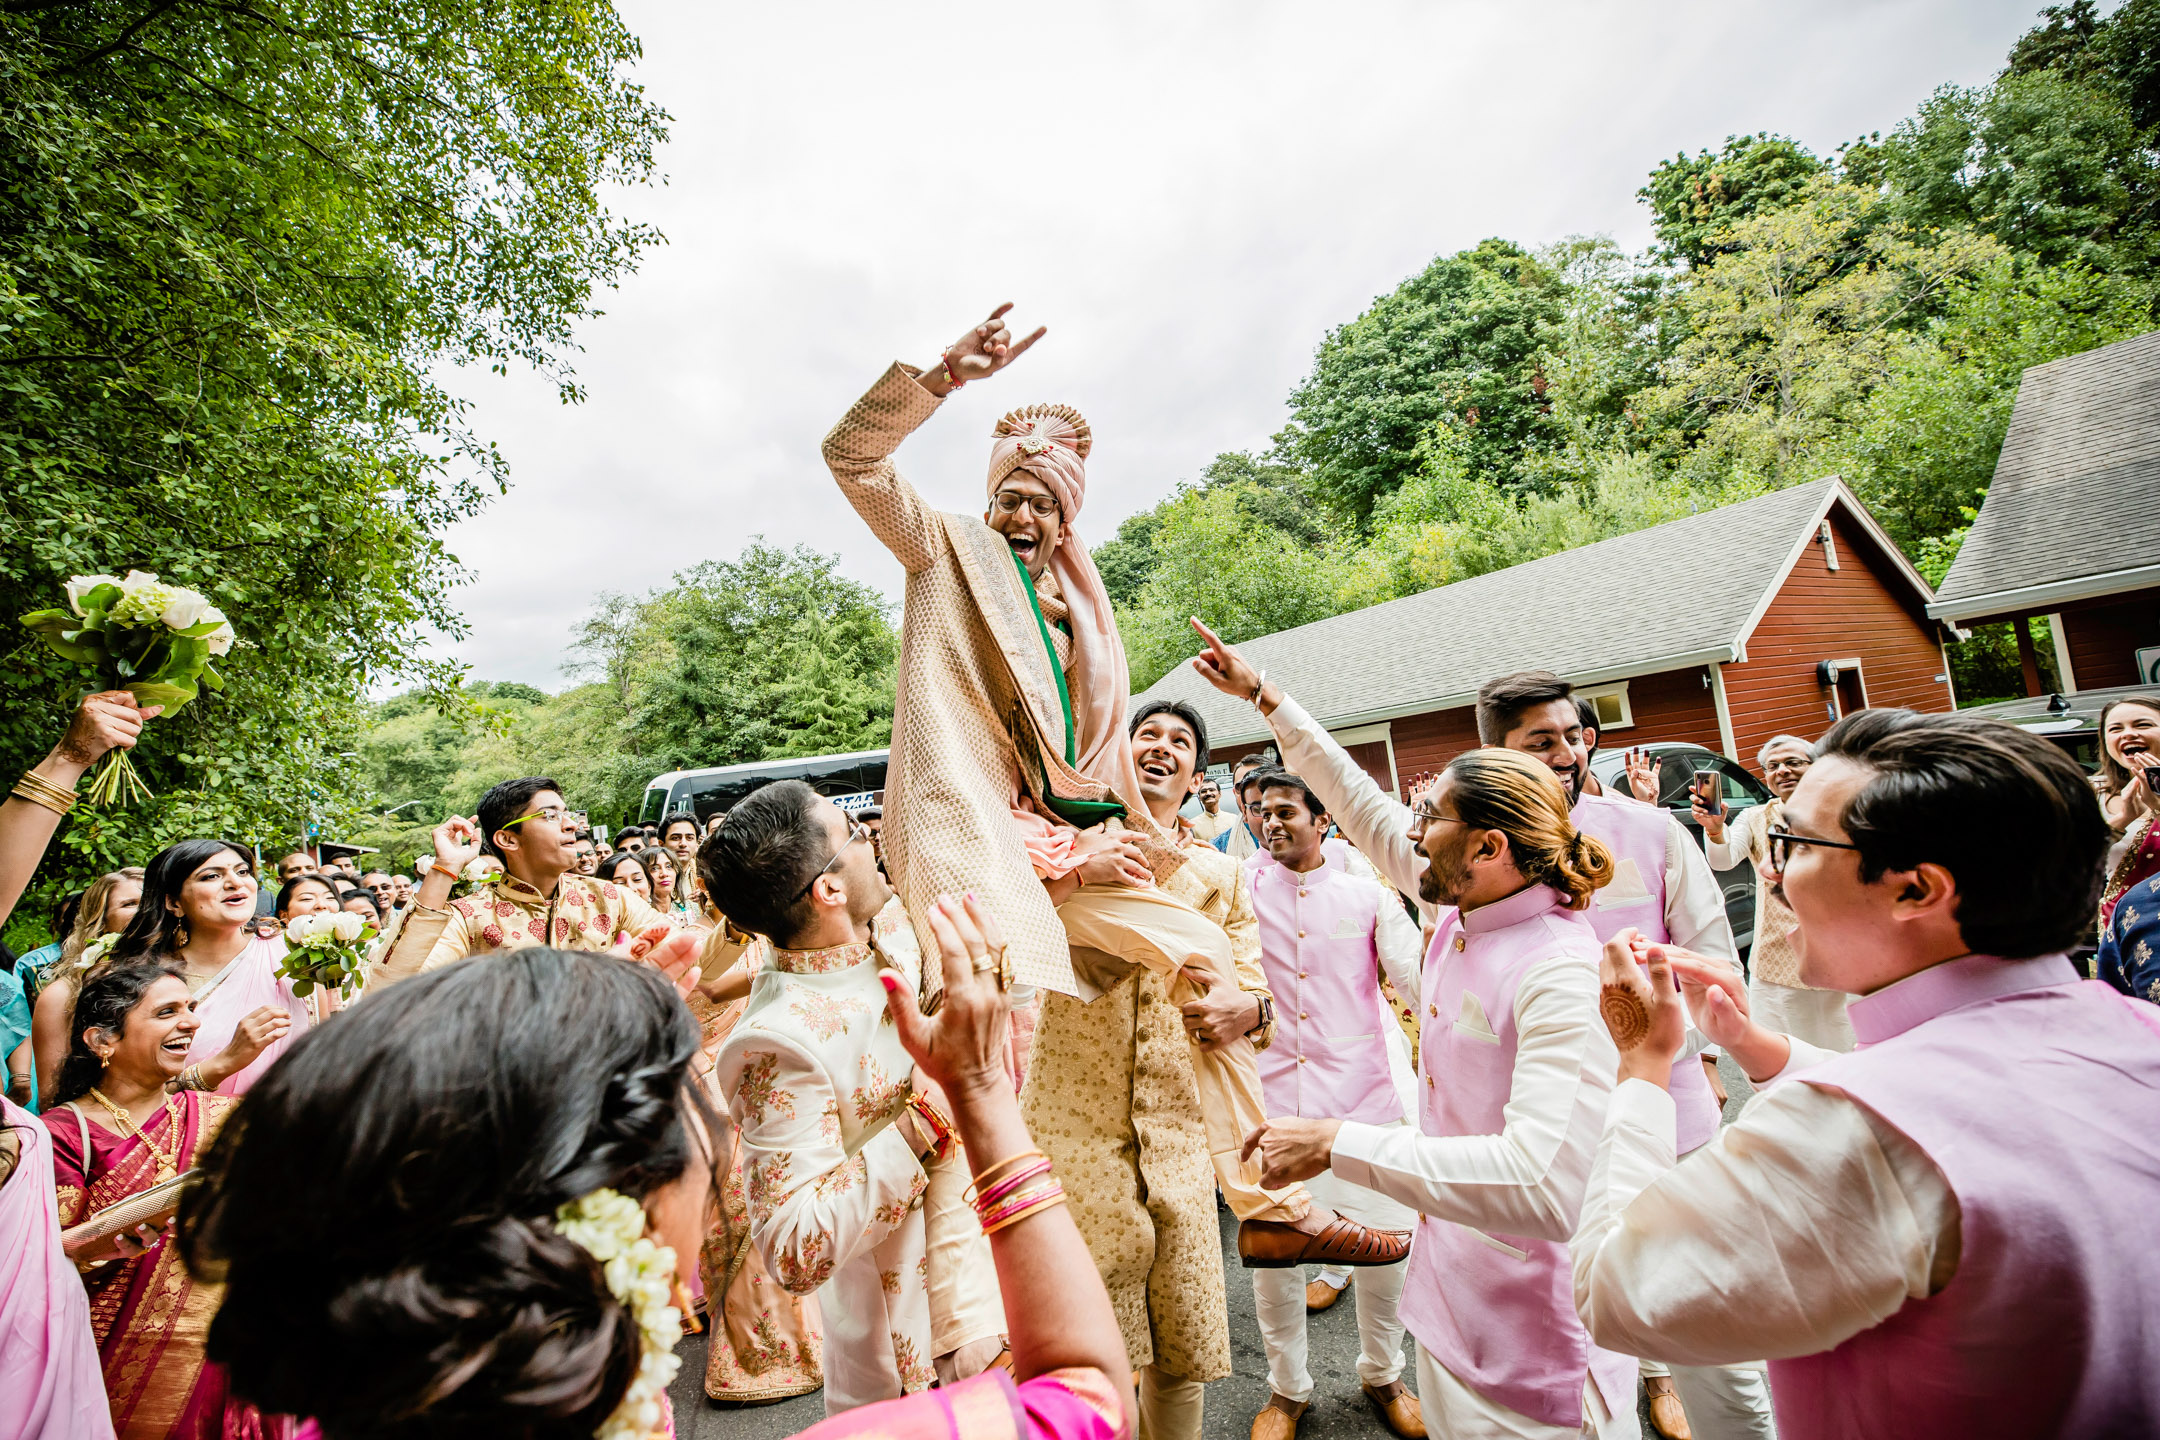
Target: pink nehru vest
1498 1310
1636 834
2038 1097
1316 945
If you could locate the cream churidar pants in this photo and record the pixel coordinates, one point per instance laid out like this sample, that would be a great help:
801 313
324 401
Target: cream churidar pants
1279 1298
1160 933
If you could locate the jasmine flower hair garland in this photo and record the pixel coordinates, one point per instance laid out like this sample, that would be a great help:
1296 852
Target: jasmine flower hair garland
611 1227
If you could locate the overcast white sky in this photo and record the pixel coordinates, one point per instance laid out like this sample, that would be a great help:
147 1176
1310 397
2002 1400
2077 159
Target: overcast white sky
1188 195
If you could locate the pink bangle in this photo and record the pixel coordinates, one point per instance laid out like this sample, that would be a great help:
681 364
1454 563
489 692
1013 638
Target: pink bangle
1009 1184
1034 1202
1019 1200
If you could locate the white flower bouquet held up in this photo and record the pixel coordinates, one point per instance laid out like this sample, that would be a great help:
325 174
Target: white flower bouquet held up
141 635
325 952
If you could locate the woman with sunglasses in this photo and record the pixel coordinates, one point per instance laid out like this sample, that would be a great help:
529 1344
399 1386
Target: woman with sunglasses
1776 993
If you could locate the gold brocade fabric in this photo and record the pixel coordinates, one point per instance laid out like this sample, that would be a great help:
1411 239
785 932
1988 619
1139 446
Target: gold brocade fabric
583 914
1111 1099
974 683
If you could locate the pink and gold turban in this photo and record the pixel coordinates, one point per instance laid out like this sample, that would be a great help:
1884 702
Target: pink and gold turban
1050 442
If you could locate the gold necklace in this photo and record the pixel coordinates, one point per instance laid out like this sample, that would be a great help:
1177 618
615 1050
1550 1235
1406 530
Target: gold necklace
167 1165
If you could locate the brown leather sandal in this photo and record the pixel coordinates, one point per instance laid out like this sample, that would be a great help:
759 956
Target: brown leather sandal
1278 1245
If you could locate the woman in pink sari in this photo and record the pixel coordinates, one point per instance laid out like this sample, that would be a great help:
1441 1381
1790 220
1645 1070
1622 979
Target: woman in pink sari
2129 753
198 913
403 1221
116 1129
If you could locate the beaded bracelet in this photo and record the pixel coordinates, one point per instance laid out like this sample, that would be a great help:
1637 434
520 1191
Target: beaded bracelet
1009 1184
1021 1206
1003 1165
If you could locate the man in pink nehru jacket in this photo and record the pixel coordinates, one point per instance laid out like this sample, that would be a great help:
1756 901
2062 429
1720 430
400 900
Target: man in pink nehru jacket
1945 1232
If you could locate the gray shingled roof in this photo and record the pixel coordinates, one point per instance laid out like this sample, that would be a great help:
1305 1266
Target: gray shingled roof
2074 509
1682 593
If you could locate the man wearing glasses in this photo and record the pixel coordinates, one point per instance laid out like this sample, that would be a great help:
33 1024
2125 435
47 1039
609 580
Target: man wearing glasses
1012 773
539 899
1776 994
1931 1235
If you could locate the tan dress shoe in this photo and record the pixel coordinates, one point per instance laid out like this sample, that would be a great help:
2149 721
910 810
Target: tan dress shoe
1279 1245
1279 1421
1400 1411
1319 1295
1666 1415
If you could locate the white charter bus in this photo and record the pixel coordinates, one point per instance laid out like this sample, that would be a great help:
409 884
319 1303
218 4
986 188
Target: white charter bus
854 781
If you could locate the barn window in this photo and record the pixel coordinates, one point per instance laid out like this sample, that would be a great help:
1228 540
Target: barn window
1611 701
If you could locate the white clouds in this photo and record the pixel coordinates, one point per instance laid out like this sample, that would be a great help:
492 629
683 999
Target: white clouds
1188 195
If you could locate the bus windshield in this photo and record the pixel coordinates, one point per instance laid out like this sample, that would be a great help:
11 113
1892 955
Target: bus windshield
856 780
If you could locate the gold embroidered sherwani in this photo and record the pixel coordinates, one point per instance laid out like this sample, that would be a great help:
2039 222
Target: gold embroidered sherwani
1111 1099
978 702
583 914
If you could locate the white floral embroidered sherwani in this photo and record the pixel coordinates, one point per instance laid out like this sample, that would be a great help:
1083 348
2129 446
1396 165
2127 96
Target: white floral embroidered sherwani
816 1075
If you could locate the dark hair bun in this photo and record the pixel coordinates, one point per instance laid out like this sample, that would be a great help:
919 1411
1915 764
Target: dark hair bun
380 1209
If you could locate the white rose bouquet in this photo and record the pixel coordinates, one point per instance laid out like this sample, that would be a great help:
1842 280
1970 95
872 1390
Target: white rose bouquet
326 951
141 635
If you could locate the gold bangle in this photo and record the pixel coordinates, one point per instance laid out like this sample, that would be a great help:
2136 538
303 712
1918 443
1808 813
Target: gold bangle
51 787
43 792
1047 1202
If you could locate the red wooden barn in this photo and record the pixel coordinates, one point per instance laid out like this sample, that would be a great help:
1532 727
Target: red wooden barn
1772 616
2069 535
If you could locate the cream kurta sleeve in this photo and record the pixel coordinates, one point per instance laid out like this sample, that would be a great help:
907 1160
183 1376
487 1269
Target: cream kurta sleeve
1806 1221
1529 1178
1739 841
1375 822
859 450
1402 950
427 940
813 1207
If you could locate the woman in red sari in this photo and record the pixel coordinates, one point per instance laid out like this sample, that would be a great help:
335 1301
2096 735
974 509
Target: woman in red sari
402 1218
117 1129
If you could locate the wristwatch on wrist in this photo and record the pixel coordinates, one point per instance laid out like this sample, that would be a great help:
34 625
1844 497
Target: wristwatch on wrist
1267 1015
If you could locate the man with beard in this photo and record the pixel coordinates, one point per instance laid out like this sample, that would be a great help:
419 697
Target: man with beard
1516 1072
1325 935
1112 1098
1012 773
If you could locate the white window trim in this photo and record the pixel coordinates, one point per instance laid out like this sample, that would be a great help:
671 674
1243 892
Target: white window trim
1593 693
1366 735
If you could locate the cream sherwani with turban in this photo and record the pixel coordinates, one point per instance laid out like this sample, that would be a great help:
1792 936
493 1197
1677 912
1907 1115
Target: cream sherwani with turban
995 701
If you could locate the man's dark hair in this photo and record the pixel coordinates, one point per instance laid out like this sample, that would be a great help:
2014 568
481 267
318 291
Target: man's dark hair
1284 780
504 803
870 812
1587 714
674 818
756 865
1501 702
1184 711
2009 815
584 837
1258 760
1259 779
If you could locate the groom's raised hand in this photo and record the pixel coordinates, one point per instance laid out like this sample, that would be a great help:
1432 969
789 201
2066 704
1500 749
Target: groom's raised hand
979 353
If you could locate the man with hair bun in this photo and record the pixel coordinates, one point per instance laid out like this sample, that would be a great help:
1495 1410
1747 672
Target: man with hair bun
1933 1235
1516 1072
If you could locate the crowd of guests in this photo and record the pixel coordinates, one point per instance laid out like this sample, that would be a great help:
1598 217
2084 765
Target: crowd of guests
934 1115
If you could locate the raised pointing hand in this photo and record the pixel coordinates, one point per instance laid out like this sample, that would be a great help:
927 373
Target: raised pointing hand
987 348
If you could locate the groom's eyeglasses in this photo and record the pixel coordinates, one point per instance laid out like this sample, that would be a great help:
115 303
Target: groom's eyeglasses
1008 502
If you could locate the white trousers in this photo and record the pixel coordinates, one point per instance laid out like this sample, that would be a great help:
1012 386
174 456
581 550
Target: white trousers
1453 1411
1279 1297
1726 1402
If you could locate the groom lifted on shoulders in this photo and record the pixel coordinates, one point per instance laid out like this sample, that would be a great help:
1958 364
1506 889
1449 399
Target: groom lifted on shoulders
1012 774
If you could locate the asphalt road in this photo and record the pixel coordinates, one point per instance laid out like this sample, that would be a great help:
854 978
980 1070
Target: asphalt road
1339 1410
